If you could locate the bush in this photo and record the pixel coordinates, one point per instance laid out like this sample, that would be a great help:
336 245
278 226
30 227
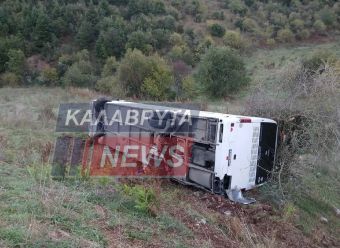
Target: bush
9 79
147 76
221 72
297 25
234 40
49 76
110 85
237 6
217 30
80 73
319 26
176 39
110 67
270 42
16 61
145 199
278 19
285 35
317 60
140 40
218 15
189 88
249 25
327 16
303 34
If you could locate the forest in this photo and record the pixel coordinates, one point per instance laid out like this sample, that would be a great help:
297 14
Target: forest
150 49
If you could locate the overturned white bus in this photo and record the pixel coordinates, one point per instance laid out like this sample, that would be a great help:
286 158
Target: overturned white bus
230 153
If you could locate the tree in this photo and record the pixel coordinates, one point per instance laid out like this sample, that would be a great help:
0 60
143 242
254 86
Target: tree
234 40
42 30
110 67
319 26
140 40
180 70
49 76
221 72
112 39
80 73
16 61
110 85
217 30
237 6
157 86
147 76
133 69
285 35
86 34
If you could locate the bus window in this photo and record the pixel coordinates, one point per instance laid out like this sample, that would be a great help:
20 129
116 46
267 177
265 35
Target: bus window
221 133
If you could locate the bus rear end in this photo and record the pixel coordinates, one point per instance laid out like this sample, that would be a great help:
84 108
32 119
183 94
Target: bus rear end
251 144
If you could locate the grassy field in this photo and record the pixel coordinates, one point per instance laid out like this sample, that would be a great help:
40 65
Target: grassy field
36 211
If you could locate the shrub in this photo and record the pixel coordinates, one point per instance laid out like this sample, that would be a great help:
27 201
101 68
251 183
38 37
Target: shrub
176 39
303 34
234 40
110 67
270 42
140 40
297 25
110 85
16 61
327 16
217 30
168 22
249 25
278 19
157 85
218 15
147 76
9 79
319 26
285 35
237 6
144 198
189 88
317 60
49 76
221 72
80 75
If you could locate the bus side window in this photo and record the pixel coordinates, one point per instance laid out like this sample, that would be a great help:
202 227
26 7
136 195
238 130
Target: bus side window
220 138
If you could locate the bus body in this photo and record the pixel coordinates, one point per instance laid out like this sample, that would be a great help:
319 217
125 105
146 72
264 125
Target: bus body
229 154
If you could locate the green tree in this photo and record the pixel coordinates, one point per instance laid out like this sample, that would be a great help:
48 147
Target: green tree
217 30
285 35
112 39
16 61
42 31
234 40
110 85
110 67
49 76
140 40
86 34
157 85
80 73
221 72
147 76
